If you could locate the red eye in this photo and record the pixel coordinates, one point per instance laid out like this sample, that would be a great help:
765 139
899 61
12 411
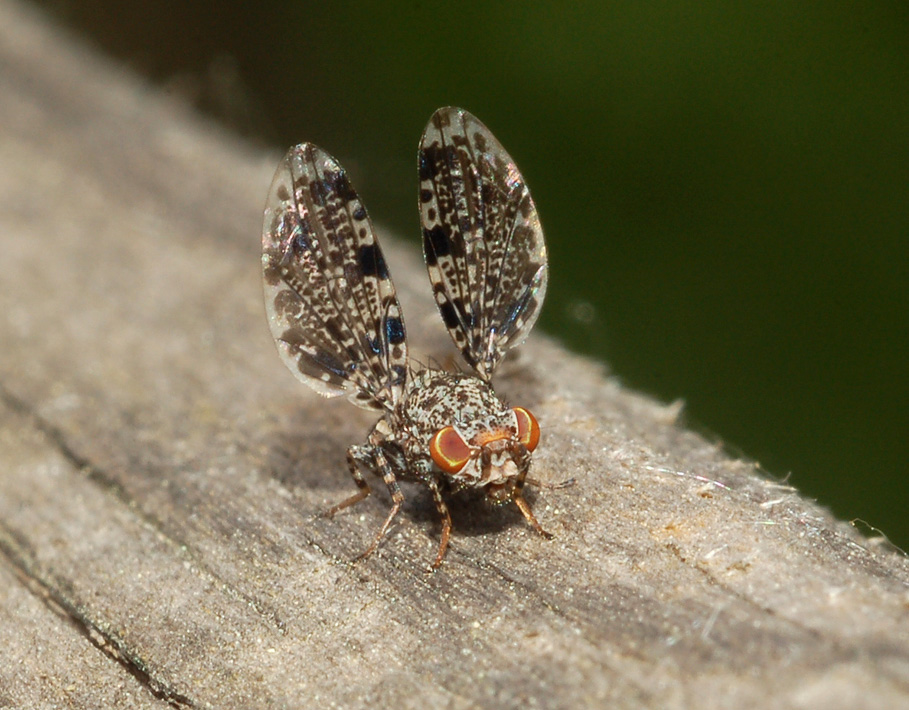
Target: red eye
448 450
528 429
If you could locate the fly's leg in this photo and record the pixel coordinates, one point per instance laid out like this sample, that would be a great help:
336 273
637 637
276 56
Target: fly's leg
446 521
531 518
567 483
397 497
371 456
356 455
518 498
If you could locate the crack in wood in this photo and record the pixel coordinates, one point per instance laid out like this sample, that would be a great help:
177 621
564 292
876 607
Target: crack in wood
98 477
50 596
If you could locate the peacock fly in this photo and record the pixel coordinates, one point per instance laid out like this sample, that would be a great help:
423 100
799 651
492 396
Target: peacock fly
336 320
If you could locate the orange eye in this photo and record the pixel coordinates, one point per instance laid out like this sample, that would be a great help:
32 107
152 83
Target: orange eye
448 450
528 429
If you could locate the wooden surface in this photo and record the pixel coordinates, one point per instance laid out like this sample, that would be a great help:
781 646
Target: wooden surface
162 476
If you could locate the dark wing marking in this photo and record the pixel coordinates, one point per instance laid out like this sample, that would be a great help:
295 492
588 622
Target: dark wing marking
482 238
330 301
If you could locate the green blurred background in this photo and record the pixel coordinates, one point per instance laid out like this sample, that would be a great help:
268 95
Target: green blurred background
724 186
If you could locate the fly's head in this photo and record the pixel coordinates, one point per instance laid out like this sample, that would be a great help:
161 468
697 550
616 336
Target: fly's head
495 458
478 442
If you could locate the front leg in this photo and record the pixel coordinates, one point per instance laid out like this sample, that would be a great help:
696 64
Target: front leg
446 521
518 497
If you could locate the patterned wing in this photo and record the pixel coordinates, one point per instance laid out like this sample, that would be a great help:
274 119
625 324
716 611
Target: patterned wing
482 238
330 301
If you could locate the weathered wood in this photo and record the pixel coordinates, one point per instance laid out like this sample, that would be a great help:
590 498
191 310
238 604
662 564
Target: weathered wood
162 478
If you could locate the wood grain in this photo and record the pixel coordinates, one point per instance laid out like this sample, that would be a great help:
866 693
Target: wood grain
163 477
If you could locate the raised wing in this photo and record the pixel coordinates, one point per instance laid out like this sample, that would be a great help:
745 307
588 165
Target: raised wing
330 301
482 238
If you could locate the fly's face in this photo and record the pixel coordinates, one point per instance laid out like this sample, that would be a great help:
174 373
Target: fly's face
491 452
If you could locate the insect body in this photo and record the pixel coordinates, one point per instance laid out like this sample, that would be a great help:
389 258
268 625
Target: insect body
336 319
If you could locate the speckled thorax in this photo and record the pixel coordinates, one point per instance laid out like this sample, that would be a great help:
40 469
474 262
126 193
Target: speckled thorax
436 399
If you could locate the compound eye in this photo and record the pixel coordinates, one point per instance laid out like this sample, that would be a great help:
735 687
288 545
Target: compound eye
528 429
448 450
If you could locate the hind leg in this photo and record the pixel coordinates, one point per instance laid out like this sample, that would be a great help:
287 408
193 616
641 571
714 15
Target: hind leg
397 498
356 456
371 456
